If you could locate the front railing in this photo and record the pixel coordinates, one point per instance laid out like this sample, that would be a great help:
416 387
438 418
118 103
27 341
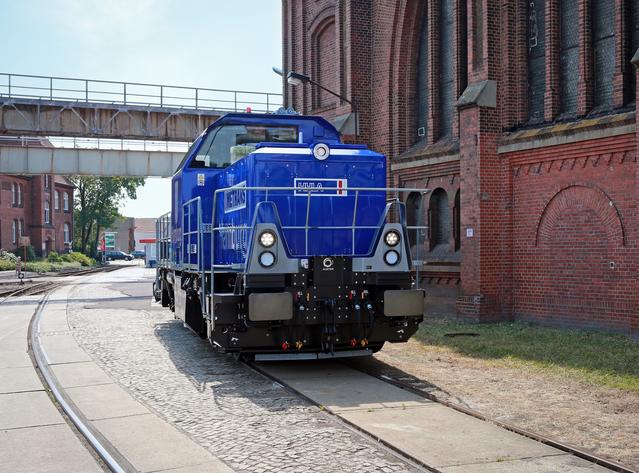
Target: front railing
195 231
294 192
65 89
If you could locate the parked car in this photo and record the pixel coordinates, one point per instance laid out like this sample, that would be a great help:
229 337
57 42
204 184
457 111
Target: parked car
118 255
138 254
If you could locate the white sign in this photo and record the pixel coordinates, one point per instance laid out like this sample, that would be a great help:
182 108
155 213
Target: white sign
470 232
235 198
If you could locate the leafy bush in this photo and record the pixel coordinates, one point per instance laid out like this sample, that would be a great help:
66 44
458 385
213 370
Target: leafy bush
67 258
8 256
54 257
84 260
47 267
38 267
6 265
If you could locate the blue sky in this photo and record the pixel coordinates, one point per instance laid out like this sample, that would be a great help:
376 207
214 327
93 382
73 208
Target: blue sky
212 44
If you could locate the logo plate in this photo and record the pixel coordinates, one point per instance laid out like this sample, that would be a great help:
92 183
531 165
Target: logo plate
320 187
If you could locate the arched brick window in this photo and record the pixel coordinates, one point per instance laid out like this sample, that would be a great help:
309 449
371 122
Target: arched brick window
65 201
536 41
438 218
446 67
14 232
67 233
603 51
47 211
422 78
414 217
20 192
457 221
569 55
14 194
633 40
326 63
56 200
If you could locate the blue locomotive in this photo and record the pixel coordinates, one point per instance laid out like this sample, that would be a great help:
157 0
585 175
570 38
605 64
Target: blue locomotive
284 240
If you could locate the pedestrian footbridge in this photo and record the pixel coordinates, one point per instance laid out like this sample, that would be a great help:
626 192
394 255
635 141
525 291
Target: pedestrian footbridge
42 106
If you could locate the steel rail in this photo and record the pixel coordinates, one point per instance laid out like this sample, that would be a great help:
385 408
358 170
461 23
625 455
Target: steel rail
576 451
113 459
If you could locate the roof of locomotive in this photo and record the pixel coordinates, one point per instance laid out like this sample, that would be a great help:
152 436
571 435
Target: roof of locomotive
313 128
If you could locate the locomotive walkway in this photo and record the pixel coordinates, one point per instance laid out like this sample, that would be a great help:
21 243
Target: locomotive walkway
160 399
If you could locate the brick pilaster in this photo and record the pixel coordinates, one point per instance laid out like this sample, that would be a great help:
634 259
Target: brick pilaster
552 97
586 77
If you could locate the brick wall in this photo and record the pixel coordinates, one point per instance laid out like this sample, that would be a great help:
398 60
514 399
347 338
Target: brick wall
31 213
541 211
573 258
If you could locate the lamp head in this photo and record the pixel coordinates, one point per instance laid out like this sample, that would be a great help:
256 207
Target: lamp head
295 78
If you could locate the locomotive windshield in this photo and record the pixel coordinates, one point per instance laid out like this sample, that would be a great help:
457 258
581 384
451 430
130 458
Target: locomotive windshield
227 144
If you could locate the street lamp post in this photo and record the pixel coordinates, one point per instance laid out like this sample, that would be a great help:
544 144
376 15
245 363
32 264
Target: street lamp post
295 79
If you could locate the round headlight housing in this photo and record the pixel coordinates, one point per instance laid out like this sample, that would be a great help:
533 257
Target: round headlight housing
267 238
391 257
392 238
267 259
321 151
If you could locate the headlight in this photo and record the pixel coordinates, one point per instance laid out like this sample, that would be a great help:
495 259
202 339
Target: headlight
267 259
267 239
391 238
391 257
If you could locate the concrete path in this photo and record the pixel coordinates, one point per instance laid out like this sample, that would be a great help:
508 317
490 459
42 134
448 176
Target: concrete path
34 437
435 435
147 442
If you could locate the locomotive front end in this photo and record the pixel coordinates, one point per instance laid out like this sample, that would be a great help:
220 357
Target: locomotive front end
296 248
316 254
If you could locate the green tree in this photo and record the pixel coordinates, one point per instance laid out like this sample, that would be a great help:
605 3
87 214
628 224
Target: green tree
96 206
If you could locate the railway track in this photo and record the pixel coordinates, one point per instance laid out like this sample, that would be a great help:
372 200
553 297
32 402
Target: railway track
410 384
31 288
92 439
416 386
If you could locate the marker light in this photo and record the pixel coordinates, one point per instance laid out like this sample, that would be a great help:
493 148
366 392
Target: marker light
391 238
391 257
267 239
267 259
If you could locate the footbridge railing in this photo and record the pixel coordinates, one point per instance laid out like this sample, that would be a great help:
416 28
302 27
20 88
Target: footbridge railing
66 89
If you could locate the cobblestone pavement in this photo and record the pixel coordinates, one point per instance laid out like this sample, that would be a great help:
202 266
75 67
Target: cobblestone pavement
251 423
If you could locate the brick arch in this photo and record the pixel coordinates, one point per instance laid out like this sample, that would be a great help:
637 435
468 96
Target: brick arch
594 199
325 52
404 54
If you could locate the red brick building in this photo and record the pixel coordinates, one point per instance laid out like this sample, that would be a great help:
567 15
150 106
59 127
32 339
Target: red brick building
38 207
520 116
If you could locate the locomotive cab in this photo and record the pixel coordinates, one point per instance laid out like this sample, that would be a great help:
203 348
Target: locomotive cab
282 240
